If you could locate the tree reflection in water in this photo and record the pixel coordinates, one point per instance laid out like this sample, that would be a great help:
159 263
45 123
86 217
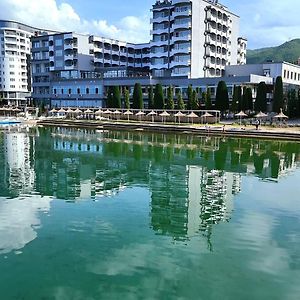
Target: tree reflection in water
192 180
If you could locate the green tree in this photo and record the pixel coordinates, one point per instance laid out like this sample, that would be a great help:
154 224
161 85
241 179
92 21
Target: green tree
159 101
194 103
222 99
109 101
298 104
180 102
127 99
170 99
278 95
116 97
189 97
138 102
261 98
249 99
208 103
243 102
150 97
203 98
235 99
292 104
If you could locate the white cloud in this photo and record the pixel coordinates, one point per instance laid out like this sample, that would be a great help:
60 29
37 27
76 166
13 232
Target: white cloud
19 220
263 22
48 14
267 22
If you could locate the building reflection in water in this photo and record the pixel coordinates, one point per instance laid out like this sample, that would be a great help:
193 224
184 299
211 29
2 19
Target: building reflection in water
192 180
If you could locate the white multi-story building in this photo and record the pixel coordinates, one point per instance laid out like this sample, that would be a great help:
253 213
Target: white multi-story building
15 50
60 55
194 38
290 73
116 58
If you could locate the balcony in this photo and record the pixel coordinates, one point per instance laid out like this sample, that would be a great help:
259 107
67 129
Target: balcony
183 63
159 43
181 26
68 46
159 19
159 54
180 51
183 38
159 66
159 31
177 73
184 13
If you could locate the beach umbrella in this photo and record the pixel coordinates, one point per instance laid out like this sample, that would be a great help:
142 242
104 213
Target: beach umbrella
241 115
62 111
107 112
192 115
140 114
128 113
70 111
88 113
99 112
281 115
179 115
53 111
206 115
78 111
116 113
152 114
164 115
261 115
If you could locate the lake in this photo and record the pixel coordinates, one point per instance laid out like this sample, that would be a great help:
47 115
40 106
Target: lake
130 215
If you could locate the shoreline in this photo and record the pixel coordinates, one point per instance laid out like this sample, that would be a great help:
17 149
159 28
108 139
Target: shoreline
276 133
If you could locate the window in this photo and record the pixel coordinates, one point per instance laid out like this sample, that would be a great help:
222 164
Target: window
78 91
97 91
59 63
87 91
58 53
69 91
58 42
36 44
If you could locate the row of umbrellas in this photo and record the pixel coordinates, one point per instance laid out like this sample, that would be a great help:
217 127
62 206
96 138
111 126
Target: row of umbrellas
14 109
281 115
128 113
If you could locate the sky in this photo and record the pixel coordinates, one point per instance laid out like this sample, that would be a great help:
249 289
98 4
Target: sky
263 22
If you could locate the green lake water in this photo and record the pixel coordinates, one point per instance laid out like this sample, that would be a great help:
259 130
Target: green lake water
117 215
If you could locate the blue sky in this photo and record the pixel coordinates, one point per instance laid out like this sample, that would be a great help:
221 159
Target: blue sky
263 22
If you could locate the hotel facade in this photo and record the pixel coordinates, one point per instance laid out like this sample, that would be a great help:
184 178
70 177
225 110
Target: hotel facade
195 38
15 61
193 42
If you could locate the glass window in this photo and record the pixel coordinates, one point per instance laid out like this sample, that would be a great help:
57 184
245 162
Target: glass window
58 42
58 53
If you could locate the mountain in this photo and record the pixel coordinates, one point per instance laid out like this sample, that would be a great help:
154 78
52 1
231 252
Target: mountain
289 51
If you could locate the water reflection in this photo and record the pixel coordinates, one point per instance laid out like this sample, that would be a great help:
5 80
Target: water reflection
19 221
192 180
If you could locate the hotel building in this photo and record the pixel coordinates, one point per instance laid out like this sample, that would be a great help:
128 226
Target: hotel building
195 38
194 42
15 51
